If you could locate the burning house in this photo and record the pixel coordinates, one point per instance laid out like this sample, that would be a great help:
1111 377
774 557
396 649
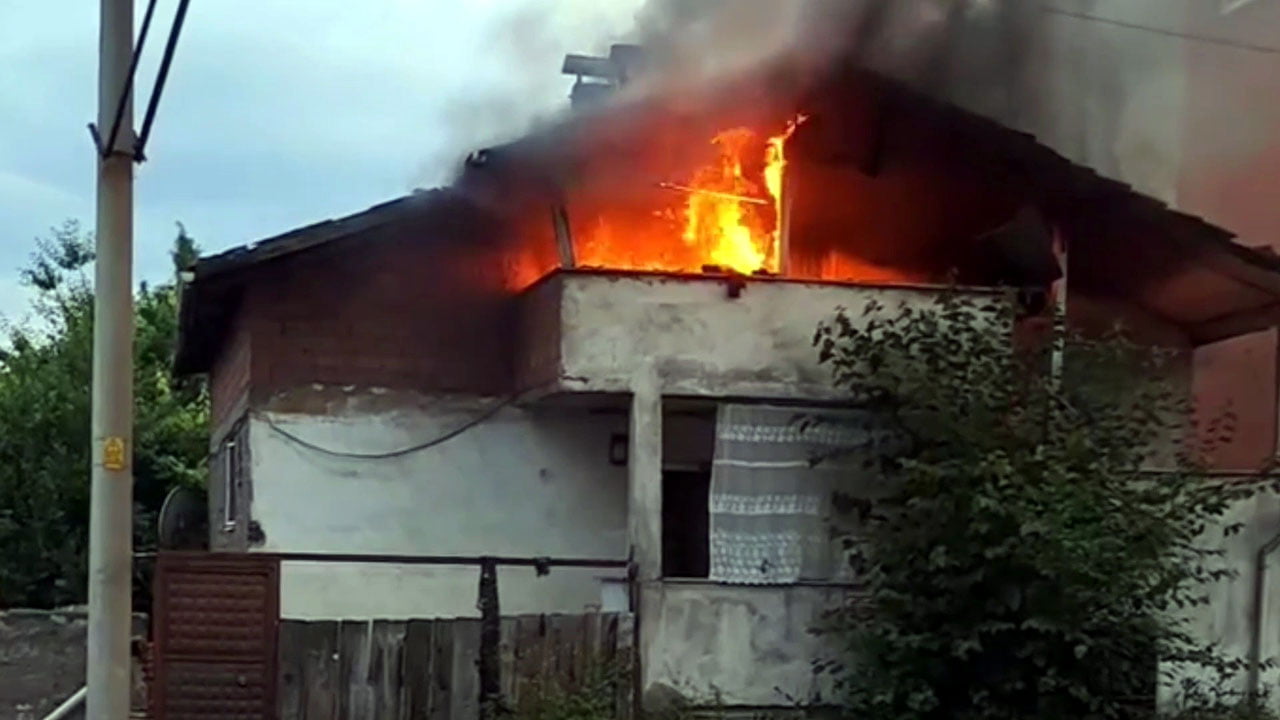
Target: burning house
579 361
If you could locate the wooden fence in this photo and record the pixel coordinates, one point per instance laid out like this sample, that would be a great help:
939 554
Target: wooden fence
387 670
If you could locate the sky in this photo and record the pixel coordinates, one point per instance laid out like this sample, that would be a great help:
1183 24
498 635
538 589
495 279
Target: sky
277 113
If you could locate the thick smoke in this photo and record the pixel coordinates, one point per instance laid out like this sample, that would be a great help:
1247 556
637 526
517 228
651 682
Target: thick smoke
1010 60
965 50
970 51
1090 92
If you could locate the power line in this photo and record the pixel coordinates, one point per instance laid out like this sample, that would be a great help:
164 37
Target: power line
1209 39
482 417
128 85
175 30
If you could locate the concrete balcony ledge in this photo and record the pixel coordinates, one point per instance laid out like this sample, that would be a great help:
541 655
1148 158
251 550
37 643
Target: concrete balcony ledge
589 331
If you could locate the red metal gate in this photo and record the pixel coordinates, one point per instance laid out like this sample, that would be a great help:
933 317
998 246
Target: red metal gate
216 624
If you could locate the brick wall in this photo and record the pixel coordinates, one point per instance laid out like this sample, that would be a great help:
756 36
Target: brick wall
229 379
417 306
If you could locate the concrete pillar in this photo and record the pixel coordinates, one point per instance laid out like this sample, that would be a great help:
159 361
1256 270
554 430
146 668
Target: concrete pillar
644 475
644 513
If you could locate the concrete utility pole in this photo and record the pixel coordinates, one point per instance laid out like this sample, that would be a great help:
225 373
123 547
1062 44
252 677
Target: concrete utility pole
111 511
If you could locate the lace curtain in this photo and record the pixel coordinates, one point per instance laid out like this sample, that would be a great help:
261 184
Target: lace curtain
774 475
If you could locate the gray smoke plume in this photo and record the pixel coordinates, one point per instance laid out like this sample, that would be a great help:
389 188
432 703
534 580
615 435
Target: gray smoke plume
1016 61
1097 96
512 83
971 51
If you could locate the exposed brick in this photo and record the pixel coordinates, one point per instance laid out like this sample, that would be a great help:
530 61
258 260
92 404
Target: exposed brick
230 378
401 308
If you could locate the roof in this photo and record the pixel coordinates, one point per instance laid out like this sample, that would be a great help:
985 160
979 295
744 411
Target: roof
1212 286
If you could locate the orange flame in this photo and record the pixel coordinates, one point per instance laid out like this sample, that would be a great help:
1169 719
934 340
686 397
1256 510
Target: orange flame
731 216
718 217
715 218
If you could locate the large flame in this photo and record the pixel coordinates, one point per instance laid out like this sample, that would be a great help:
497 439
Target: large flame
723 214
716 220
727 214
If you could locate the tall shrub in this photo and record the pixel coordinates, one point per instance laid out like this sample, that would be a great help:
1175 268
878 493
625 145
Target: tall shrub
1026 562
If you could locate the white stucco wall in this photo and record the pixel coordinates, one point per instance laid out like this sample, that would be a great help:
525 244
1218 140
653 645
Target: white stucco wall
527 482
725 645
701 340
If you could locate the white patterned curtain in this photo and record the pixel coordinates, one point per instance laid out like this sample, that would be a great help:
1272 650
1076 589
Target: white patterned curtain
773 476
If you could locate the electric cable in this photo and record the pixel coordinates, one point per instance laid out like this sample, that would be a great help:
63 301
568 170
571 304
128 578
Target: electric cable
442 439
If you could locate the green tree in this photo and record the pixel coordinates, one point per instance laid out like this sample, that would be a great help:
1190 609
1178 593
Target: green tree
1022 562
45 374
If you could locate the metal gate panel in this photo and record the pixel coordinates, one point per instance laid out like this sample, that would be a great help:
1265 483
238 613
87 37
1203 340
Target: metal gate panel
216 623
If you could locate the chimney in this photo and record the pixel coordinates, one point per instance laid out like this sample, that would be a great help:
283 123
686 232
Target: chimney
598 77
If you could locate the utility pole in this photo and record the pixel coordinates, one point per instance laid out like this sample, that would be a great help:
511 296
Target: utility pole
111 511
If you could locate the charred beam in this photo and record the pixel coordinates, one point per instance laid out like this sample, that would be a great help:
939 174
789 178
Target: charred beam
712 193
564 236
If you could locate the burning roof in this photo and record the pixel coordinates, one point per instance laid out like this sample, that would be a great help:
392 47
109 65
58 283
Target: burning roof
838 175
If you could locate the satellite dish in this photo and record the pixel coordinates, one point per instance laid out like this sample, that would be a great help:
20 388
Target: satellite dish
184 520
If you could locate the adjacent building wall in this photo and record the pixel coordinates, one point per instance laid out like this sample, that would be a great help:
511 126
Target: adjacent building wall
533 482
1177 98
1232 620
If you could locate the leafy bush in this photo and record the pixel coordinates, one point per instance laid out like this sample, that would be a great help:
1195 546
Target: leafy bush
1024 562
45 375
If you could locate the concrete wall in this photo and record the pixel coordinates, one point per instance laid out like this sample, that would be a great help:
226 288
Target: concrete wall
701 340
737 646
42 661
526 482
1228 620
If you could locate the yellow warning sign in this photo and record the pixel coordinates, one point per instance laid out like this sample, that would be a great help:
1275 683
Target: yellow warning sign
113 454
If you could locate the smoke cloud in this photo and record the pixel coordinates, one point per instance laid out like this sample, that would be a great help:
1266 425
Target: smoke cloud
511 83
980 54
969 51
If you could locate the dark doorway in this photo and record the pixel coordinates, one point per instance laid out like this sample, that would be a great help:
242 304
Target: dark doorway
685 524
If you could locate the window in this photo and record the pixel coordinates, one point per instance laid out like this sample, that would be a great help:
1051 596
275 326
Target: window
232 476
780 484
765 495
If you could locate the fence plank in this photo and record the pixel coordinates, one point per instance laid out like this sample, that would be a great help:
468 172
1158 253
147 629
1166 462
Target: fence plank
624 651
441 672
386 676
528 658
507 659
319 696
292 648
427 669
356 695
417 670
466 677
